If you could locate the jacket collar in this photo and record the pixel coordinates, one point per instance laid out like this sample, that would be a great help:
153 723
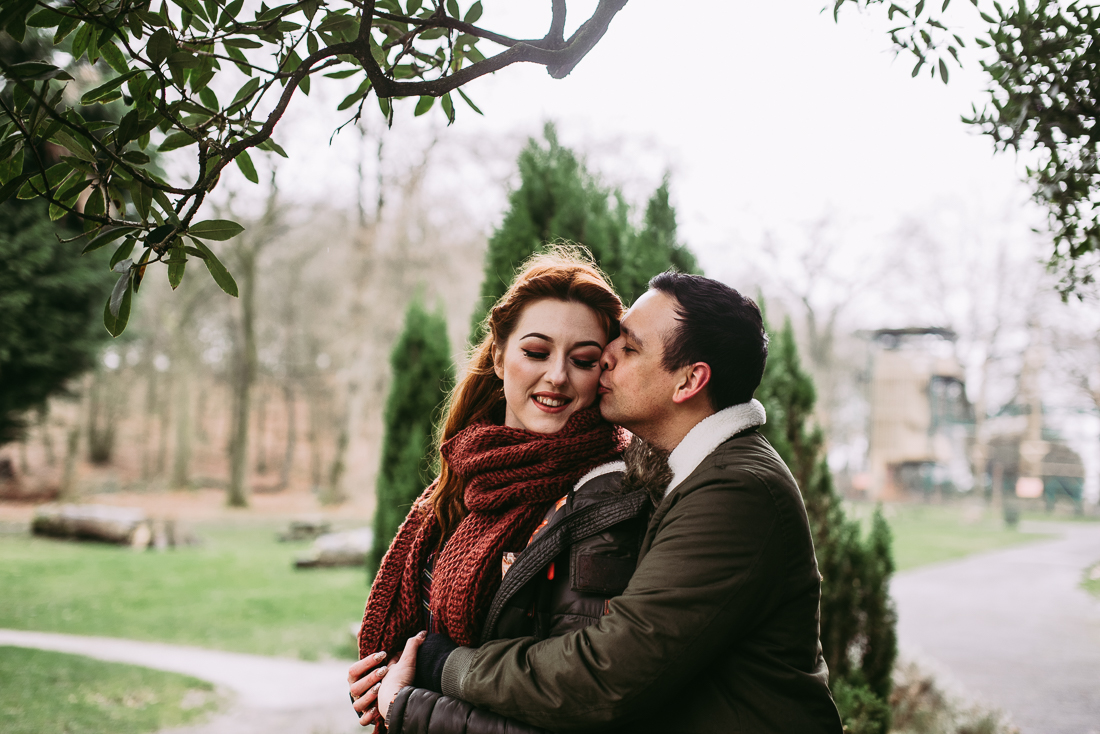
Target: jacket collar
710 433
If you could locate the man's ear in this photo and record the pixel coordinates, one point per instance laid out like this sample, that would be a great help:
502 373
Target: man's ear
498 361
693 380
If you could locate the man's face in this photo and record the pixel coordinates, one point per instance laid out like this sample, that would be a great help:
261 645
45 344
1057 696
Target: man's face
637 390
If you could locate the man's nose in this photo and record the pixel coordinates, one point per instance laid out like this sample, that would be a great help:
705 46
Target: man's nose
607 359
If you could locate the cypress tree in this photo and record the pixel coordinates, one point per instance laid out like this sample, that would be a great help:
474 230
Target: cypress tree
422 374
654 249
858 620
51 311
558 199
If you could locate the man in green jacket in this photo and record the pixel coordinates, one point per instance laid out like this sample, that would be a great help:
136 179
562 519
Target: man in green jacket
718 628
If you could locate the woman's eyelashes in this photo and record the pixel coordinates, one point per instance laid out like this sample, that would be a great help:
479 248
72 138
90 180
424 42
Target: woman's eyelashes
584 364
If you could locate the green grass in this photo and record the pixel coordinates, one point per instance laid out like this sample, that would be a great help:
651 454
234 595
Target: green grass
52 692
1091 581
238 591
925 534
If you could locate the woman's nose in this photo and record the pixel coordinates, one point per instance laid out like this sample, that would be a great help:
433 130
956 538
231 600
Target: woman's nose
557 373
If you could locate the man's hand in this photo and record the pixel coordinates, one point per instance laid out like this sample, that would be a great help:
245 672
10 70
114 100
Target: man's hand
400 674
364 679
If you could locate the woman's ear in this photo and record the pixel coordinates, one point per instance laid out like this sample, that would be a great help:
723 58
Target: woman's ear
498 361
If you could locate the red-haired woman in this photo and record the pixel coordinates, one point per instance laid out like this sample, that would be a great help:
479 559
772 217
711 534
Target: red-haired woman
523 447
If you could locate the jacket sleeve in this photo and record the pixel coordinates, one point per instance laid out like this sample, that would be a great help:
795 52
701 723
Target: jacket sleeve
419 711
710 575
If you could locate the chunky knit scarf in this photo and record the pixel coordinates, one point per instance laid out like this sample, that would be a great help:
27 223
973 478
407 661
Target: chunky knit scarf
512 477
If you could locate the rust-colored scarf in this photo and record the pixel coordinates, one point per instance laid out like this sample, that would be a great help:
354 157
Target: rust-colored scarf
512 477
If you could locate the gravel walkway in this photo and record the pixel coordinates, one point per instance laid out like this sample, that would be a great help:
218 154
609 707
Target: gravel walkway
270 695
1013 629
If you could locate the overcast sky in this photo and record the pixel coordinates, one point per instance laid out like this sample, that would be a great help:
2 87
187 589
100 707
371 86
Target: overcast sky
766 114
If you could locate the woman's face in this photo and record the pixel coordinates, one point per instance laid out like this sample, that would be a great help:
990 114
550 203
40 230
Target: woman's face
550 364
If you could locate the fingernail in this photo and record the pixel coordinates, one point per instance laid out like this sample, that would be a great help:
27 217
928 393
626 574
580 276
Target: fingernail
383 669
375 687
421 634
379 656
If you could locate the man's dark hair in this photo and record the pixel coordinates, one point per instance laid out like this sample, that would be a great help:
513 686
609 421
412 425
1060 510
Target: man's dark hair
719 326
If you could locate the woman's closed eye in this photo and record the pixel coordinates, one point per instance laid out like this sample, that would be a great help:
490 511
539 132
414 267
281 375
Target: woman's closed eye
535 354
585 364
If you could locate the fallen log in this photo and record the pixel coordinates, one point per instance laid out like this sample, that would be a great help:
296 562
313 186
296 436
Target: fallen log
348 548
105 523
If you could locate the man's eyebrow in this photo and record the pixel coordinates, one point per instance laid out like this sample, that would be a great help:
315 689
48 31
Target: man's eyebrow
630 335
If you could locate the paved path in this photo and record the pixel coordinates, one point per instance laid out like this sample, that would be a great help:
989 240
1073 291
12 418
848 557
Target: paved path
270 695
1013 629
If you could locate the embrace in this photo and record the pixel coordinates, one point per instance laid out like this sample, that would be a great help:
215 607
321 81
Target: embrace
562 575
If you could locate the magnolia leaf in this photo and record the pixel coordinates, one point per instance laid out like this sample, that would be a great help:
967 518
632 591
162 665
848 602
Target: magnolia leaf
215 229
106 238
244 162
217 270
116 321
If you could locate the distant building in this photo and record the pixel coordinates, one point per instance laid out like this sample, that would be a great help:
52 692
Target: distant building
921 421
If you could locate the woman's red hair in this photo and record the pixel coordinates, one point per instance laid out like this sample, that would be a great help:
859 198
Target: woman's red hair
564 274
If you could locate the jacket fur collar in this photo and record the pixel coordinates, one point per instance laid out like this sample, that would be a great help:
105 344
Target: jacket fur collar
710 433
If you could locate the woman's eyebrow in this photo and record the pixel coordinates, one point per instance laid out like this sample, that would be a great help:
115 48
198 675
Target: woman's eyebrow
537 336
597 345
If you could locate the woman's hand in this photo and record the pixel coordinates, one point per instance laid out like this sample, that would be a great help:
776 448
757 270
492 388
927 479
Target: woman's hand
400 674
364 679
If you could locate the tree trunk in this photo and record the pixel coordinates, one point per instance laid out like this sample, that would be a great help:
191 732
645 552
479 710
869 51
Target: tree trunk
147 422
44 430
68 479
164 415
261 432
244 371
315 459
181 460
291 436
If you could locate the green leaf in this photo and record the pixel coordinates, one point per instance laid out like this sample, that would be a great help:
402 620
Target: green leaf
244 162
272 146
473 13
341 74
176 141
141 195
423 105
116 322
9 189
217 270
194 7
448 107
215 229
34 70
160 45
104 90
176 268
244 94
114 58
242 43
943 71
95 206
65 28
452 9
106 238
123 251
74 146
470 102
47 18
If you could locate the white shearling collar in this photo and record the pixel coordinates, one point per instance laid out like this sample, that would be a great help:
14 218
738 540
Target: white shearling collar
708 434
611 466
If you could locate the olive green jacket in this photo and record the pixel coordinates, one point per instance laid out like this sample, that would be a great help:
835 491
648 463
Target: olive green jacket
717 630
